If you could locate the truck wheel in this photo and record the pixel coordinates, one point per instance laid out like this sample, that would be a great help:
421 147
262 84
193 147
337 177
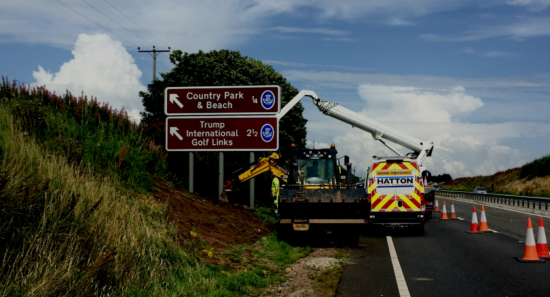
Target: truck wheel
353 240
349 237
419 230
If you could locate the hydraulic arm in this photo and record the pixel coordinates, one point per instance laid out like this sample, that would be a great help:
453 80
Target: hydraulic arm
270 163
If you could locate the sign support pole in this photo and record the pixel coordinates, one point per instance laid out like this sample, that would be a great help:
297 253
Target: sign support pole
220 178
252 184
191 171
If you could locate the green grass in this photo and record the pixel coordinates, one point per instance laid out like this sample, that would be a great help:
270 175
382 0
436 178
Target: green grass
266 214
76 220
86 133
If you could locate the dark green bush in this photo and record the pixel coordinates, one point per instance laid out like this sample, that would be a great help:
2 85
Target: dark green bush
537 168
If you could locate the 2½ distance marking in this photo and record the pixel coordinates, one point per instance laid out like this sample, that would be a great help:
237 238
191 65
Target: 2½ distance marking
251 132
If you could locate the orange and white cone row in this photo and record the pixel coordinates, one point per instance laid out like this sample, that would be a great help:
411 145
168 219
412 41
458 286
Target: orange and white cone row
444 212
483 227
474 229
436 207
530 254
542 245
453 214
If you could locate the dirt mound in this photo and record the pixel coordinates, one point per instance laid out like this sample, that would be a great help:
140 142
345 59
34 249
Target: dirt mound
217 223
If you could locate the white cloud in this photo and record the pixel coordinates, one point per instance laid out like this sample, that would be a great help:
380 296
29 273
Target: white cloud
310 30
496 54
460 149
399 22
431 108
490 54
530 4
340 39
194 24
101 68
311 144
402 103
526 27
352 80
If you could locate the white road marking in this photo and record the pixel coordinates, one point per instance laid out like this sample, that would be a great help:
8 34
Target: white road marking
527 213
399 276
494 231
460 218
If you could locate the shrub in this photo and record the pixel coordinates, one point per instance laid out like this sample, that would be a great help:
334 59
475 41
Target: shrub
537 168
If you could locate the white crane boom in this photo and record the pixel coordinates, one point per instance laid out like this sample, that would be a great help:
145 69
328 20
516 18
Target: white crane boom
422 149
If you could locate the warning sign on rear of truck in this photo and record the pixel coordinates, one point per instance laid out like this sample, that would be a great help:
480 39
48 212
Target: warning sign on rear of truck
393 181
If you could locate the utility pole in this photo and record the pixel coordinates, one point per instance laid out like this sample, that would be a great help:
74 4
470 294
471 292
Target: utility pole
154 53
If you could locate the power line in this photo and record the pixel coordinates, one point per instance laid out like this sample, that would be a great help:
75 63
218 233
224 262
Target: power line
95 22
168 69
116 22
136 23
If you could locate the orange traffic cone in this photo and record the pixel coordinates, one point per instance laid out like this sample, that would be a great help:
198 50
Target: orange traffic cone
483 227
530 254
453 214
444 212
436 207
474 229
542 245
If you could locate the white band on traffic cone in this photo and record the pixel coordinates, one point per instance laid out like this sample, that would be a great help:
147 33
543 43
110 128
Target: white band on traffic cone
541 236
530 238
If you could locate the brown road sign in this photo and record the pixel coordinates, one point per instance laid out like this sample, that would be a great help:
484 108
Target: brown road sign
246 133
222 100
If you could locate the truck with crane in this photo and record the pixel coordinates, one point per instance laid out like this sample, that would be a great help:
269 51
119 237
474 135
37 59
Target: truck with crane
393 194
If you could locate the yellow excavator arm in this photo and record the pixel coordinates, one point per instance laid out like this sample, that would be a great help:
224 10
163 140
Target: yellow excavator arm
263 165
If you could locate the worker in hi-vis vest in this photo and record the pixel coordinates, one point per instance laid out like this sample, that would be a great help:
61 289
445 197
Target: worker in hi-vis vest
275 191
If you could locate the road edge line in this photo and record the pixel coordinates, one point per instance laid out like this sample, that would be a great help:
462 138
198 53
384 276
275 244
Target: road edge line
399 276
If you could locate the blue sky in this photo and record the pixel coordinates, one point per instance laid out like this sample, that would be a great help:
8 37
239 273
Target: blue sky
474 78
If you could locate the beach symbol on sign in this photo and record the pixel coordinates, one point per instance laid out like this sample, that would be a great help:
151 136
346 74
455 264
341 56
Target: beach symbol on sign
267 133
268 99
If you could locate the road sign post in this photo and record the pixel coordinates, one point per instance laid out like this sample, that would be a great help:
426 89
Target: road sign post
246 133
222 100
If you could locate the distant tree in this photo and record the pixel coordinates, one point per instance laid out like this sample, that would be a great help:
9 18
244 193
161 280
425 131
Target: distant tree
537 168
218 68
442 178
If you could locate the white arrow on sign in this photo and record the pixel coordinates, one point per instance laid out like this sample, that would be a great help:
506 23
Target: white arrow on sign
174 99
174 130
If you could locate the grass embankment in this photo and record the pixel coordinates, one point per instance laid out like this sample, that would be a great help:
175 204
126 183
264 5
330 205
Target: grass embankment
77 218
532 179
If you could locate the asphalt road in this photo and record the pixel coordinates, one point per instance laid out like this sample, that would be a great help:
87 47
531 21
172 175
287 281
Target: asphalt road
447 261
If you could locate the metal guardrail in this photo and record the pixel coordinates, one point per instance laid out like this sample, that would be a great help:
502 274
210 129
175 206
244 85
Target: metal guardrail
519 201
